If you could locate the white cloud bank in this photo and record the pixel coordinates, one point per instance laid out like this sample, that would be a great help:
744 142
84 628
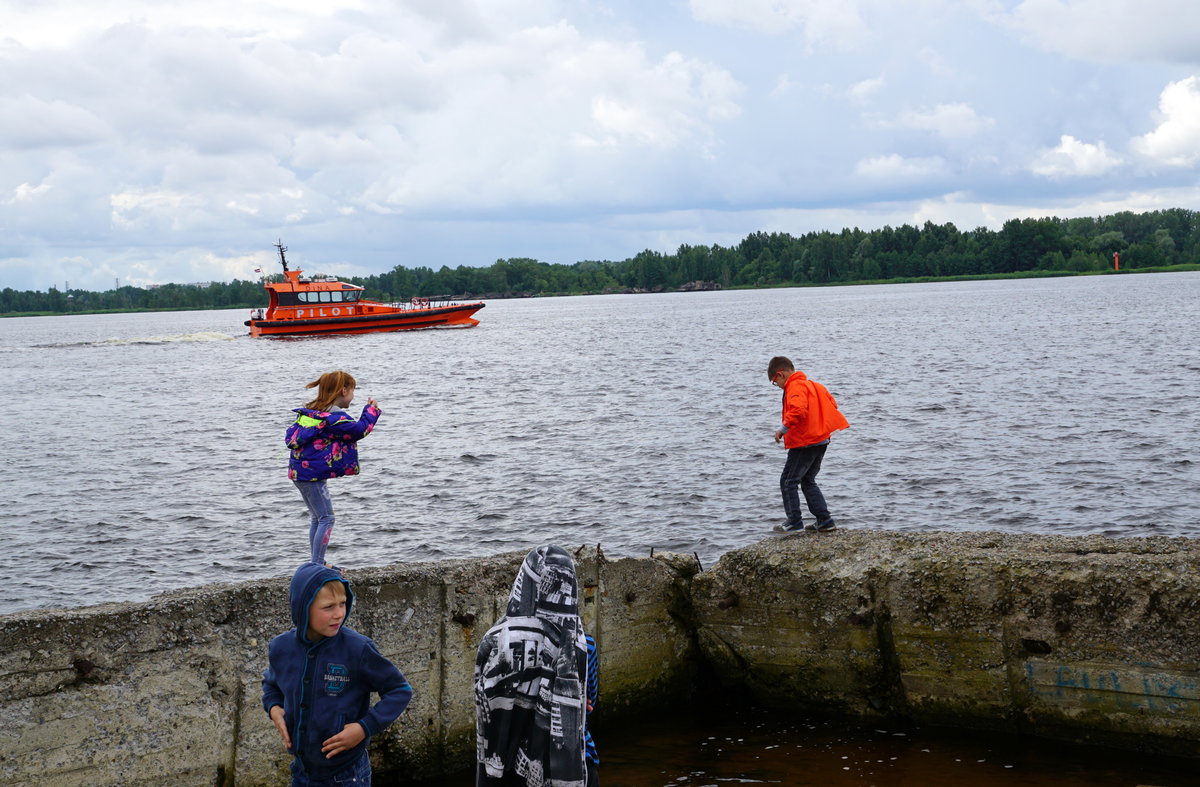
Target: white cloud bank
894 167
952 121
836 23
152 141
1072 158
862 92
1176 141
1111 30
233 121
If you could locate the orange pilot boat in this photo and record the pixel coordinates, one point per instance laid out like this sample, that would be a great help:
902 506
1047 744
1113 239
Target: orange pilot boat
317 305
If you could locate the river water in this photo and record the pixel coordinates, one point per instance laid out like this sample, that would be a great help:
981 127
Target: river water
146 450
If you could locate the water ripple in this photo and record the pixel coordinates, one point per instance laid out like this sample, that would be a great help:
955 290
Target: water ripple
637 422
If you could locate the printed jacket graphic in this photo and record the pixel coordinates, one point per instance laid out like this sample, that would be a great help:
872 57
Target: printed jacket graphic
530 674
810 412
324 685
324 444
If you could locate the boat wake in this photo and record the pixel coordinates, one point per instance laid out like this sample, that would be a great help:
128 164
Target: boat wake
202 336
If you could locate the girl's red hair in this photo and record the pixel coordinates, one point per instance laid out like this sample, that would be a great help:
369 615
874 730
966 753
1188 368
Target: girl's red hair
329 387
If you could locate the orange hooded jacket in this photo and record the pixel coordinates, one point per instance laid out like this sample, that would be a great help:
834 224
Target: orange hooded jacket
809 412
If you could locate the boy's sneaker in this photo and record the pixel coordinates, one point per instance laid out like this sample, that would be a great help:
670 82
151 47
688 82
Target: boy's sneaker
789 527
823 527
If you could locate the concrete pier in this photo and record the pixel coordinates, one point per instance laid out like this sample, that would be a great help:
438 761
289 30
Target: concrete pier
1087 639
168 691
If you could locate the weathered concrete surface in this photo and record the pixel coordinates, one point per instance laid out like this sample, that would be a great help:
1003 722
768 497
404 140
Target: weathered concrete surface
1085 638
167 692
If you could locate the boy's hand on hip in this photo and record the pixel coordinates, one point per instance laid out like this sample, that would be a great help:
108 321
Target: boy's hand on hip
281 725
350 736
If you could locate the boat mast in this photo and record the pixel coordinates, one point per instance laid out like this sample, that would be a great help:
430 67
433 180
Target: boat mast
282 249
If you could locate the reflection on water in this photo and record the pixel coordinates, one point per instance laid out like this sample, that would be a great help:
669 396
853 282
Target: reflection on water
730 747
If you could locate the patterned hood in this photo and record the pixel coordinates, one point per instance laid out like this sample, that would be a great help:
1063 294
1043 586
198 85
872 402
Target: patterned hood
529 680
545 587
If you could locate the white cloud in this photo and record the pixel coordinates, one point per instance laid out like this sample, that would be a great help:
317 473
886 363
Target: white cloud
896 167
134 209
31 122
238 266
956 208
833 22
1135 201
861 92
1176 141
319 148
174 135
784 84
937 64
947 120
962 209
548 119
62 23
1111 30
26 193
216 119
1072 158
676 96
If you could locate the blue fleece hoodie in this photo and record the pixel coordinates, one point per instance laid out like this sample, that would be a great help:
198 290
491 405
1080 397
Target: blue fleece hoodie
324 685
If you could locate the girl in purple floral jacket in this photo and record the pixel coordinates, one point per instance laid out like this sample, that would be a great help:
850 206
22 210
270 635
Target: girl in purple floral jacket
324 442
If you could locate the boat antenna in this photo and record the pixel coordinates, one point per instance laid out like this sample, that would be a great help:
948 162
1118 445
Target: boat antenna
282 249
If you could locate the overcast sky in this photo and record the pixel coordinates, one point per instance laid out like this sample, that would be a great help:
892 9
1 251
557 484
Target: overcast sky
145 142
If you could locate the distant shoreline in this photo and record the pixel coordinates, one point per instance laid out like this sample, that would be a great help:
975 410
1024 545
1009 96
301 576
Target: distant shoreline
1030 274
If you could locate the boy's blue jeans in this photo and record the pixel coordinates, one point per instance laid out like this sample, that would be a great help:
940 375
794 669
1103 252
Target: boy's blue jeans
801 470
320 510
358 775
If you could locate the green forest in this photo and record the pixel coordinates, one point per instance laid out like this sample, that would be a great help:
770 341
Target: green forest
1022 247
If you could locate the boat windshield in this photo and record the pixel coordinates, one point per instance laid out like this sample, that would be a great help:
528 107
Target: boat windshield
330 296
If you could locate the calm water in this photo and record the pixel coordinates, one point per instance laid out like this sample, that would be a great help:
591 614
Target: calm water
750 747
146 450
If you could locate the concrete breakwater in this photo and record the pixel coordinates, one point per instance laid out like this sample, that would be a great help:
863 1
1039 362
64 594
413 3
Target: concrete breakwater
1080 638
168 691
1087 638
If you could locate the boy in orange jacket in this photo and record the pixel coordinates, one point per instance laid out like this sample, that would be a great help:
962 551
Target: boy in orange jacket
810 416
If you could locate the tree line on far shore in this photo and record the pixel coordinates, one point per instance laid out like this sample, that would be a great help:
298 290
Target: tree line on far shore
1022 246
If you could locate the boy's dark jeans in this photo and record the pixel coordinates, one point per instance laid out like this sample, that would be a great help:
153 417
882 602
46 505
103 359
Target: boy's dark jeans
801 470
356 775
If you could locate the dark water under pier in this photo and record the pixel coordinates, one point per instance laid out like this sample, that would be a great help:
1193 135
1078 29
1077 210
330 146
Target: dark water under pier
716 748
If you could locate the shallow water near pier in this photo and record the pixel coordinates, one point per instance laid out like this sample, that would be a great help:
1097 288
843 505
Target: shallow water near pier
147 454
748 747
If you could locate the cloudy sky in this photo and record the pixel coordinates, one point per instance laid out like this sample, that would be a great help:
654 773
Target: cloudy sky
145 141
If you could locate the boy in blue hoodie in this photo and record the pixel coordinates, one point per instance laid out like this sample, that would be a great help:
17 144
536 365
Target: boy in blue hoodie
318 684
